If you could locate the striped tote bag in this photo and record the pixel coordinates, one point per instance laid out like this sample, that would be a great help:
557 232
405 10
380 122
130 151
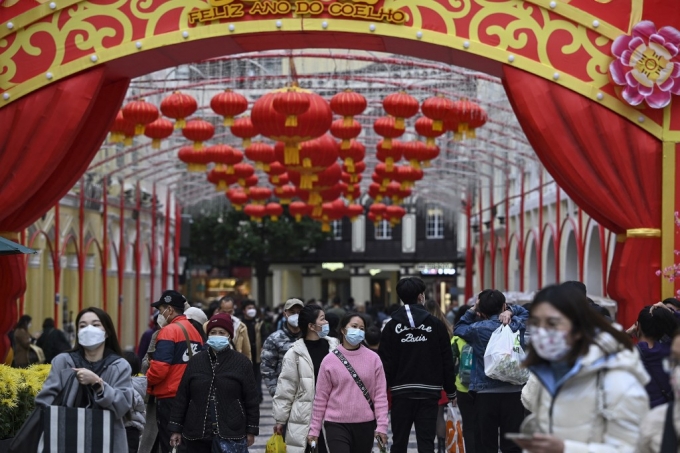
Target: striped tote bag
76 430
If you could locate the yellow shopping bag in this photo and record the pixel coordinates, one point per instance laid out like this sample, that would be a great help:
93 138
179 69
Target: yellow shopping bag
275 444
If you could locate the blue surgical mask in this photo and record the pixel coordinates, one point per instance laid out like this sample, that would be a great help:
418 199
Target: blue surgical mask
354 336
325 329
218 342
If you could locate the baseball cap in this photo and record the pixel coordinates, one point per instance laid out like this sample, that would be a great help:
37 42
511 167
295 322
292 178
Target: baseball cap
290 303
172 298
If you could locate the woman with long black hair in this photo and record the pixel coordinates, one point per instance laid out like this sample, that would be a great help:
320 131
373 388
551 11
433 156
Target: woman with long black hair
102 375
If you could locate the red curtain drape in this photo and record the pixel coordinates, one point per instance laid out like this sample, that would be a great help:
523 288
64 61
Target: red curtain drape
608 166
47 141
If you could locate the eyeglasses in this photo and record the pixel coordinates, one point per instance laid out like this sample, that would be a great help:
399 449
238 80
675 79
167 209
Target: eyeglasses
669 364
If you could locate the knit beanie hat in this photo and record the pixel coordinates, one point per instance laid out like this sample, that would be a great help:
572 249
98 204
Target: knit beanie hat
222 320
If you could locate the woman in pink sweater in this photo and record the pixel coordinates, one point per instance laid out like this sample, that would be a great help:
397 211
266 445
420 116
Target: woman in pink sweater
350 420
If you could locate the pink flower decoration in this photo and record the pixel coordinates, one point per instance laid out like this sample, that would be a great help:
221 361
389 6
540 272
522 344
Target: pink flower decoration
645 64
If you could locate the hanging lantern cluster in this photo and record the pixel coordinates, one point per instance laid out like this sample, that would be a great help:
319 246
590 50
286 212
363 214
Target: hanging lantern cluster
464 118
294 125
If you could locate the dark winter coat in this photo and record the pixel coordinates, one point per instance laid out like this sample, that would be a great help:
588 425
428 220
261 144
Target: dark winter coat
659 387
230 373
417 360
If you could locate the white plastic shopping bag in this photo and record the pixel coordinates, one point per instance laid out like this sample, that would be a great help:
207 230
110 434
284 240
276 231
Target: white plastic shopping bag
503 357
454 430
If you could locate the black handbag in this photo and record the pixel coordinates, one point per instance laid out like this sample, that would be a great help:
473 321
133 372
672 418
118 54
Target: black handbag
28 437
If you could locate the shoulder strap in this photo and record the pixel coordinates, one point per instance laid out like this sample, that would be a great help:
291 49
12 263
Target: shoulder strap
355 376
190 351
669 438
410 316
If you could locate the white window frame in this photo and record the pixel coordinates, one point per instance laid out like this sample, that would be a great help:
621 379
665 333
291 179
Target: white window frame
336 230
434 226
383 231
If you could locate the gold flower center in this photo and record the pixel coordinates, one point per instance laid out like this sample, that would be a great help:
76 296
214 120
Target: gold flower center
651 64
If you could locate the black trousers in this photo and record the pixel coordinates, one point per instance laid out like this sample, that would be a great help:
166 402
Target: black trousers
163 410
422 413
198 446
466 404
349 437
132 438
258 379
496 411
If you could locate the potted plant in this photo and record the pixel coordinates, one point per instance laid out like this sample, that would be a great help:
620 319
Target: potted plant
18 388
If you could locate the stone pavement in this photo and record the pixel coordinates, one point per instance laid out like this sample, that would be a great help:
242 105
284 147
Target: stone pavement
267 429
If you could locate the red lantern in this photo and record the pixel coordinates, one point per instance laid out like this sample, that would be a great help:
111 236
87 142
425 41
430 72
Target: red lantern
425 127
353 211
394 214
359 167
228 104
237 197
298 209
140 113
224 157
349 178
274 211
415 152
467 116
122 129
378 210
385 127
220 179
275 170
255 211
244 129
260 194
279 180
285 193
407 176
355 152
351 191
345 132
348 104
157 131
198 131
330 212
291 102
389 155
374 191
178 106
262 154
196 160
392 189
400 105
431 153
372 217
315 156
437 108
243 171
311 124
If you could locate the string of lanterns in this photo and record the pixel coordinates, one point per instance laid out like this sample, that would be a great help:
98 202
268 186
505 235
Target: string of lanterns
316 159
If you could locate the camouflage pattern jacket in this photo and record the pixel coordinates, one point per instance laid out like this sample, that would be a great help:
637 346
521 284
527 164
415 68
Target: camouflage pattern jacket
273 350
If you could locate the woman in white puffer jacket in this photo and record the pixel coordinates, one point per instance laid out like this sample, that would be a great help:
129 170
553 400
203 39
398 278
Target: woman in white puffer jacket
296 386
587 389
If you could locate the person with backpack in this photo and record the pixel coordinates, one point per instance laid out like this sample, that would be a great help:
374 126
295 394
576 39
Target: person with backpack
463 356
416 353
136 418
176 343
497 403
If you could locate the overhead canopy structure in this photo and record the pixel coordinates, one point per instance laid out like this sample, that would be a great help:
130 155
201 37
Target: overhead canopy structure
462 164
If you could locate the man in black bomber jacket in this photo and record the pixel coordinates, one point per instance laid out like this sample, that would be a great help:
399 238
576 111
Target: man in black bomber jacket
416 353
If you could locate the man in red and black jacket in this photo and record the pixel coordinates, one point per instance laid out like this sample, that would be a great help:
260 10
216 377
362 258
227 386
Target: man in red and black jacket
170 359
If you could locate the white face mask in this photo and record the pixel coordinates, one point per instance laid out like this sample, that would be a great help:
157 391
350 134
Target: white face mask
91 337
162 320
551 344
251 312
293 320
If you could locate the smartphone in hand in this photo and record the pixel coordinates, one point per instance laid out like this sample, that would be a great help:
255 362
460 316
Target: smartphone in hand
381 445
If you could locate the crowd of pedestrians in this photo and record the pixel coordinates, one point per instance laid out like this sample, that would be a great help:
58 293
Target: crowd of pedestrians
339 376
